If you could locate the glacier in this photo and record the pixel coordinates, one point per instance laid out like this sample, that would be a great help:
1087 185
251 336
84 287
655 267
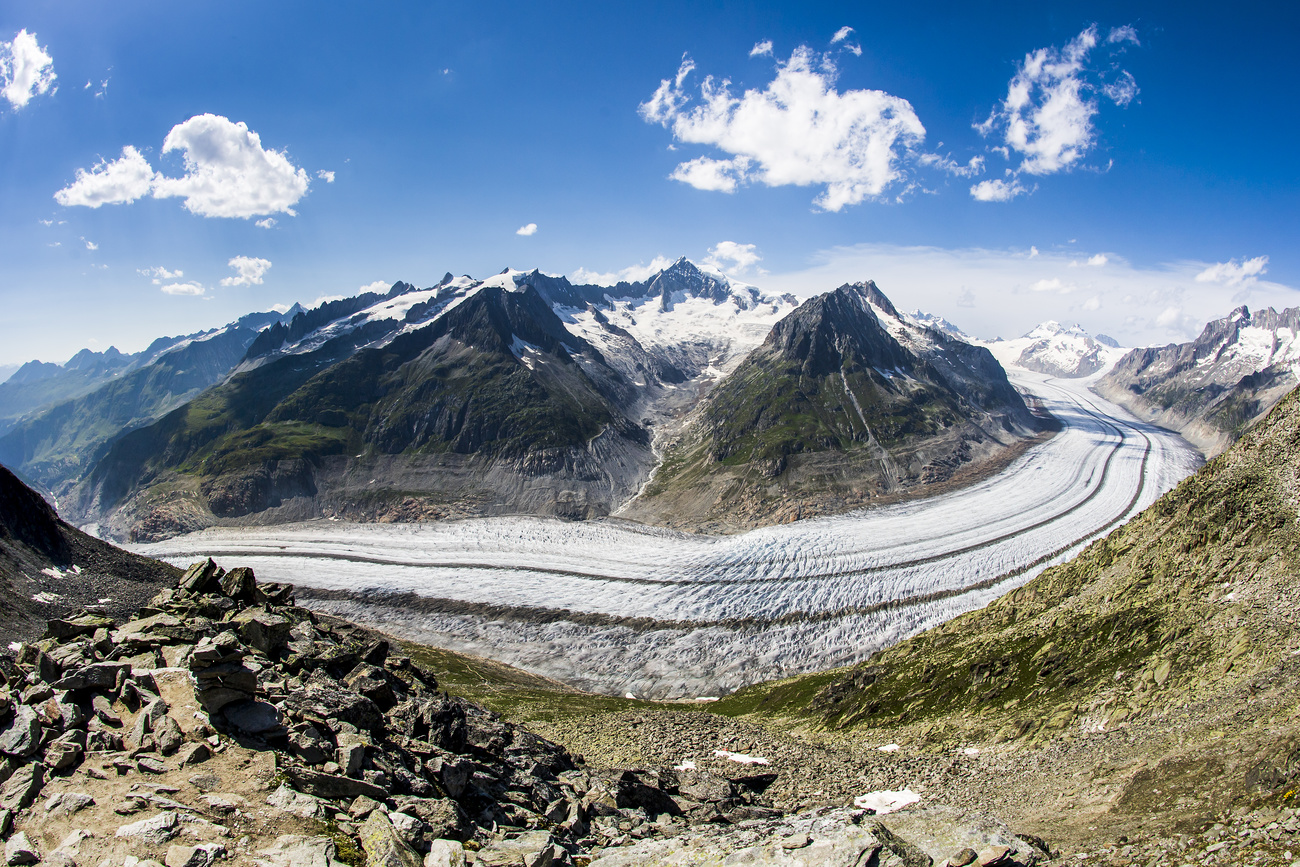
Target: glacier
616 607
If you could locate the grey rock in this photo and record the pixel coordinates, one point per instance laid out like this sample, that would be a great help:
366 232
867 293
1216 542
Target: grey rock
533 849
253 717
193 754
350 758
169 736
155 830
443 816
67 803
294 850
22 735
332 785
205 782
20 850
445 853
100 676
225 802
383 846
202 577
297 803
941 831
23 787
361 807
263 630
150 766
103 709
202 855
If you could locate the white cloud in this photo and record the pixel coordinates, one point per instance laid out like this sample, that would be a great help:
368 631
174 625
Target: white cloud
732 258
947 164
377 286
327 177
631 274
227 174
997 190
268 223
1093 303
1124 33
841 34
530 229
799 130
26 70
1047 116
227 171
160 274
125 179
281 308
190 288
1234 273
761 49
90 245
1053 284
249 271
1033 251
325 299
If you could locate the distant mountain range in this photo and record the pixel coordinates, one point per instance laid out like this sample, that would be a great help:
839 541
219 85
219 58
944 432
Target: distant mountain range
525 393
1214 388
1058 350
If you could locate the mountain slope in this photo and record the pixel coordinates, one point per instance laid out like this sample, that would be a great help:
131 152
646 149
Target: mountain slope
1217 386
845 397
55 447
492 404
49 569
1176 633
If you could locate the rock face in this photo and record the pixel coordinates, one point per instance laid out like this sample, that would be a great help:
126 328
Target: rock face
1212 389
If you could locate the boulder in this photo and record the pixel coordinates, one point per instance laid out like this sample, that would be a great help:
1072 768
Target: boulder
442 816
383 846
332 786
239 584
201 577
294 850
99 676
153 831
202 855
23 786
445 853
297 803
20 850
67 803
21 737
263 630
532 849
252 717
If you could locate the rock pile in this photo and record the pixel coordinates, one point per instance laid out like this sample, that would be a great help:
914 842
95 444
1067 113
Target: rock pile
355 745
362 738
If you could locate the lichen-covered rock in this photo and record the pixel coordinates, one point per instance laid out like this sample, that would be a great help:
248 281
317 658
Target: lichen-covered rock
383 846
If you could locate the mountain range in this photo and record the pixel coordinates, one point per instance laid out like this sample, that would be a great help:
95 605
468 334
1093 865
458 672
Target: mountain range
525 393
1058 350
1212 389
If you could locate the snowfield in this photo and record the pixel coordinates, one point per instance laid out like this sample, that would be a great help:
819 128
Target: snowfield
616 607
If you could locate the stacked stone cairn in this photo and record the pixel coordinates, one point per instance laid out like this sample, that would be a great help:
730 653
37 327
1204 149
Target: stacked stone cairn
361 738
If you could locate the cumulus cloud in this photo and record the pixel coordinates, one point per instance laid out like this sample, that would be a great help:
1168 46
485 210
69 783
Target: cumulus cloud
248 271
997 190
1234 273
1097 261
190 288
732 258
1053 284
1048 113
975 166
26 70
268 223
631 274
761 49
798 130
327 177
530 229
841 35
376 286
227 174
90 245
125 179
160 274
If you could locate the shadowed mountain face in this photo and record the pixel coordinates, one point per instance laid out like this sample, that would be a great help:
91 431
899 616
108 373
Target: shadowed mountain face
495 382
49 569
844 377
1212 389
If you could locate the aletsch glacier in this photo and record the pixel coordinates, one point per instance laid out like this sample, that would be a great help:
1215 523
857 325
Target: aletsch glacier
615 607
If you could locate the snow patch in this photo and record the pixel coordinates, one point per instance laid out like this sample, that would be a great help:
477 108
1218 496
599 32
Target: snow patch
740 758
882 802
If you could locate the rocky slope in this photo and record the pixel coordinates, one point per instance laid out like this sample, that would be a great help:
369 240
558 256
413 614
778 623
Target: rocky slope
1212 389
845 399
48 568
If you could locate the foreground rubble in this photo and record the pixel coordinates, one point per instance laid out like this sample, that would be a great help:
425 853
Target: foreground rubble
225 722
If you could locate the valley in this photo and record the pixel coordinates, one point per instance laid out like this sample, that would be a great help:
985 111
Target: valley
618 608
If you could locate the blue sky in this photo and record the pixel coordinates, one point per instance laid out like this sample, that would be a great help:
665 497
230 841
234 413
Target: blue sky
1155 187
